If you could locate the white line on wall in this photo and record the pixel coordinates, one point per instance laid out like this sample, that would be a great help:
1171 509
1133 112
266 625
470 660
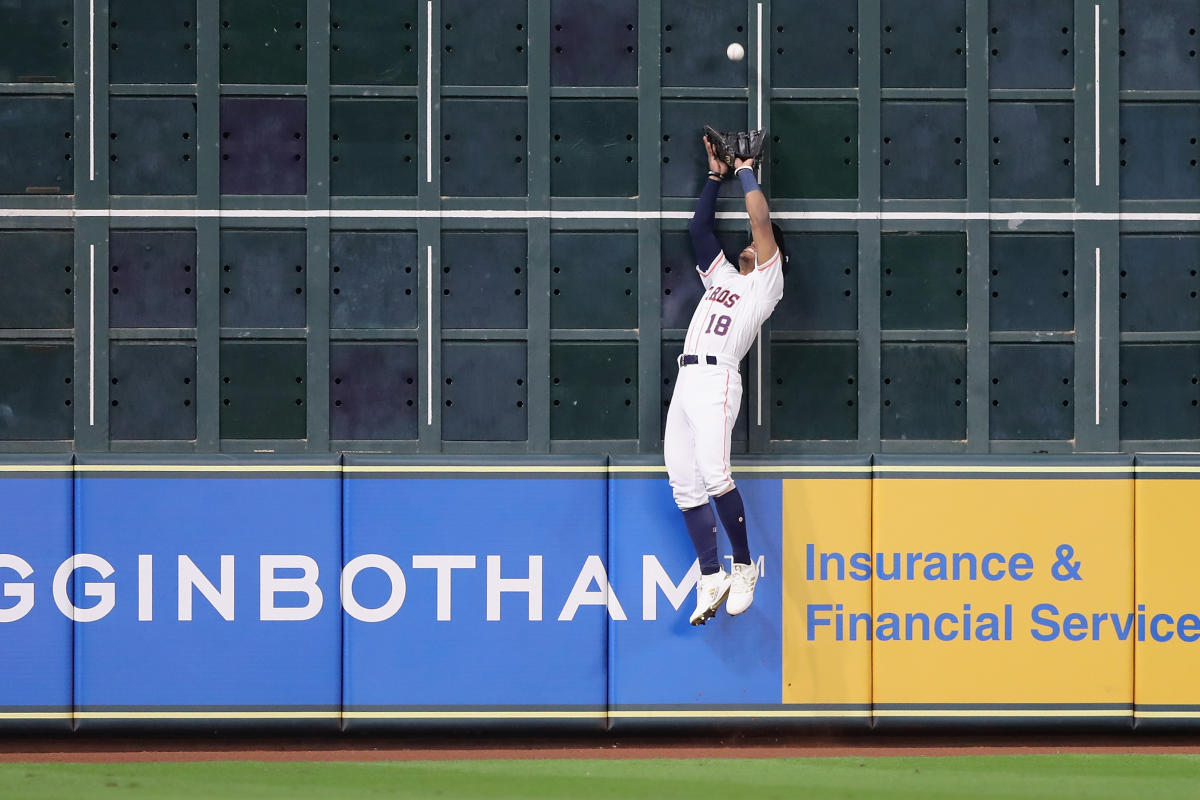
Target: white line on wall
1096 68
758 49
92 88
758 372
1014 218
92 335
429 92
1096 355
429 334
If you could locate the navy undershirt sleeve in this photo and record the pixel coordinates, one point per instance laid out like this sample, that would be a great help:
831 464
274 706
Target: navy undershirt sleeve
701 227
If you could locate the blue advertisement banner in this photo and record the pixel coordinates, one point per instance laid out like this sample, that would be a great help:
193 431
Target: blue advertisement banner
210 591
475 591
35 638
660 664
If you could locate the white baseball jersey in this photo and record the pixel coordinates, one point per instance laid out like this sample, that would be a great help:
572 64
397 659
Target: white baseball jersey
708 396
733 308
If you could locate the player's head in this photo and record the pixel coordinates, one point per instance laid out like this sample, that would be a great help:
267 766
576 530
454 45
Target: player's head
747 259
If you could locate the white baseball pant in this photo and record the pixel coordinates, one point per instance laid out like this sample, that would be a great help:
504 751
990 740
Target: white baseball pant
700 422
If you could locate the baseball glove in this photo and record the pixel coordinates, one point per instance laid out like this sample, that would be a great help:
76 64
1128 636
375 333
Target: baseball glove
730 145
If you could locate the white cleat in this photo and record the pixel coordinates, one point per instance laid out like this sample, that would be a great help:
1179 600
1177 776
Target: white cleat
741 591
711 591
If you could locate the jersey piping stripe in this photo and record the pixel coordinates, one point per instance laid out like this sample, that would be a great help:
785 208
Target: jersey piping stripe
769 260
716 260
725 431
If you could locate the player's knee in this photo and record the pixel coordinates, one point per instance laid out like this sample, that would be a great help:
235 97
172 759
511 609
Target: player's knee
689 497
718 485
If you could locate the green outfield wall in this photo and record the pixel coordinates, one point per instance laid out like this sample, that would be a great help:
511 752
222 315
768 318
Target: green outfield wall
446 226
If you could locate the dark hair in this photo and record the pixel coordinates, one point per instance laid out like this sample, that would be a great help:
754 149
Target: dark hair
779 242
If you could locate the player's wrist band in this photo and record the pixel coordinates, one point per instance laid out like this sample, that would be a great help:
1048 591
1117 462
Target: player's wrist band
745 174
715 174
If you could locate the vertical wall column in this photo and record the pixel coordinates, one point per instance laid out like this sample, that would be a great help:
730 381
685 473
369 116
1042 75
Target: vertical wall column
869 123
429 229
1097 260
208 227
649 247
538 236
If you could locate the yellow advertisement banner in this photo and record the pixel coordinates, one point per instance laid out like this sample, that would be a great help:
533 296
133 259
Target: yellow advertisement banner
988 589
829 514
1168 598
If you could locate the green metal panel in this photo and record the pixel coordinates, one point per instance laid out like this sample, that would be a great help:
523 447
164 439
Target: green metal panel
924 391
1032 44
821 287
925 48
36 41
262 278
684 166
814 149
924 150
814 43
152 280
373 147
593 390
152 145
1160 283
924 281
1031 392
814 390
1032 282
153 391
373 390
485 396
594 148
373 279
36 272
263 41
263 145
1158 45
262 390
681 286
373 42
1031 151
38 406
152 41
1160 391
484 147
484 279
593 42
484 44
37 153
695 34
1159 151
593 281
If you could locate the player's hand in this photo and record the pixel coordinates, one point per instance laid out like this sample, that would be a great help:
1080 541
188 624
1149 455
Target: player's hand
743 162
714 164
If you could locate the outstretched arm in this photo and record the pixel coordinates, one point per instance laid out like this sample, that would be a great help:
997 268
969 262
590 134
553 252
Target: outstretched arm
756 207
701 227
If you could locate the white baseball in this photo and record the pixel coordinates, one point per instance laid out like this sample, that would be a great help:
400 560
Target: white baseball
735 52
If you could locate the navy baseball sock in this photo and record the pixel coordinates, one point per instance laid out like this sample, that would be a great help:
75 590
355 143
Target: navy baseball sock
733 517
702 527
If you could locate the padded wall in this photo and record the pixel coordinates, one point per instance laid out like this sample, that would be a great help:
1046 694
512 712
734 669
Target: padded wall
281 592
291 203
222 593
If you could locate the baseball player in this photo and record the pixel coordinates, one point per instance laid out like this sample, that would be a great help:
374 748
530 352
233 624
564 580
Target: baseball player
738 297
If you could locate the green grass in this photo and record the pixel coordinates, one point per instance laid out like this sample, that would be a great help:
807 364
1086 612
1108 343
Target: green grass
1037 776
